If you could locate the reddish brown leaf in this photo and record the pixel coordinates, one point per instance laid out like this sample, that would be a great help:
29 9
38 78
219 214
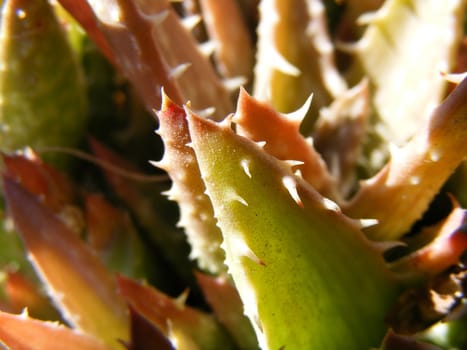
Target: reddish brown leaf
19 332
75 278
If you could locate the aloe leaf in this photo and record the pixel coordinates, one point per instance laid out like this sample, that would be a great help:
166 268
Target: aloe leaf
261 123
399 33
295 57
294 258
223 298
187 327
81 288
141 35
43 96
113 236
197 215
22 292
447 244
415 173
145 335
82 13
339 132
20 332
220 17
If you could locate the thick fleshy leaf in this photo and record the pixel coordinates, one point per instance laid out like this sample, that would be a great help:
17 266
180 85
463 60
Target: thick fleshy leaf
188 190
295 57
145 335
82 13
228 308
81 288
43 96
399 33
227 28
21 292
113 236
184 325
339 132
294 258
40 179
261 123
416 172
19 332
443 246
142 36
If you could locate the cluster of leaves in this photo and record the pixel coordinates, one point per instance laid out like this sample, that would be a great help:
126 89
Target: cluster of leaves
319 206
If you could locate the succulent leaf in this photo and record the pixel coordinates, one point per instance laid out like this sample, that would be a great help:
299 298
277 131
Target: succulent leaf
142 35
228 308
447 244
20 332
339 132
416 171
227 28
29 75
75 278
277 234
261 123
295 57
389 55
197 216
179 322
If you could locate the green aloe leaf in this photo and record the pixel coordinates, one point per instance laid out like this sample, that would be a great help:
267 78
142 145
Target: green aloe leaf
294 258
42 92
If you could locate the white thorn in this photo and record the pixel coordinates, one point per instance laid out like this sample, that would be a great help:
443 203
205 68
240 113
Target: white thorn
234 196
291 186
348 48
261 144
383 246
368 18
292 163
207 48
232 84
365 223
156 18
281 64
298 173
179 70
206 112
245 164
330 205
239 246
299 114
227 121
455 78
190 22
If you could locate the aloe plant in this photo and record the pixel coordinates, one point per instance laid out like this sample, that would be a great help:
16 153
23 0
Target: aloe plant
306 187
